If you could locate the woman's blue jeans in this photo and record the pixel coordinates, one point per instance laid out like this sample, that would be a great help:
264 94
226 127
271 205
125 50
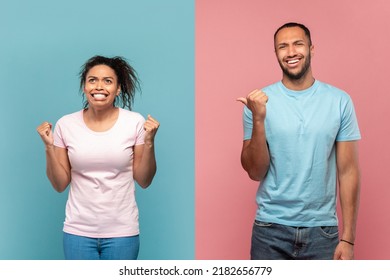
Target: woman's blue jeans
86 248
278 242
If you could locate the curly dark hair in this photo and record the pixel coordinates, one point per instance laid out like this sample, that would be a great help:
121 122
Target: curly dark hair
127 77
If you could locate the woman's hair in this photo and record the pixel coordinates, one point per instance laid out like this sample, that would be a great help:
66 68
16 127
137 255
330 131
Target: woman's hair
126 75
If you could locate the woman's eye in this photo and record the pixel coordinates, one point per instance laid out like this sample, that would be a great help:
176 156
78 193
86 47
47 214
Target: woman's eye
108 82
91 80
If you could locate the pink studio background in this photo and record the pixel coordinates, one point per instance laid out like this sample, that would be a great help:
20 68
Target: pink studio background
234 55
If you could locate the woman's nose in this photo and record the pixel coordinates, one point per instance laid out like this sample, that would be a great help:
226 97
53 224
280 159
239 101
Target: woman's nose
99 85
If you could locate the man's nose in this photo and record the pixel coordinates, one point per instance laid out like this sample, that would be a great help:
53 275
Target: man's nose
291 51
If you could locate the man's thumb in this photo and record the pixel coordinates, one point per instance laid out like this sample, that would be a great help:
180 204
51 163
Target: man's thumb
242 100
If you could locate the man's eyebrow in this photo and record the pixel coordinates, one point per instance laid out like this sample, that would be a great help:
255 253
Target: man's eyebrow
294 42
281 44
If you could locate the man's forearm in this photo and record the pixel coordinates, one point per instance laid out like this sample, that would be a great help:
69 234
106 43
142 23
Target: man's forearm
349 201
255 155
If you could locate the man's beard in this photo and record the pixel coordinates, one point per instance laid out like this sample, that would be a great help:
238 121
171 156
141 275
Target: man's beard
300 74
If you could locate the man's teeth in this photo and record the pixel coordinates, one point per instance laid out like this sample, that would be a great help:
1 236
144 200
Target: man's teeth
292 61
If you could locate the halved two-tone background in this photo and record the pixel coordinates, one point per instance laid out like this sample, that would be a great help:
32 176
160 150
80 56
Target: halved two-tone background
194 59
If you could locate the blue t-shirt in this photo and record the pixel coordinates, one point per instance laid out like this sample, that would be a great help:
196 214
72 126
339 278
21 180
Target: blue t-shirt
302 127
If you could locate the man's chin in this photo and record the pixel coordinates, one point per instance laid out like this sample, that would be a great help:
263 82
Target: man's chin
294 75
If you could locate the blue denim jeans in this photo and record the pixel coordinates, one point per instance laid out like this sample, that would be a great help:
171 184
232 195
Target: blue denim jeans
279 242
86 248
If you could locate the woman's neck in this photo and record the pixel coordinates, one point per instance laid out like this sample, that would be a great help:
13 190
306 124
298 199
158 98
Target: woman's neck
100 120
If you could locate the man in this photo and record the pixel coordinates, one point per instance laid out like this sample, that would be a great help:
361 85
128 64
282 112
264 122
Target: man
300 138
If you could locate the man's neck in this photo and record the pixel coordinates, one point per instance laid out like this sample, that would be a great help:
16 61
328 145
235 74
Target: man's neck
299 84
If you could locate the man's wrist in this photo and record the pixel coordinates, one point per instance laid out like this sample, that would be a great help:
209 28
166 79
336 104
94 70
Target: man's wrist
347 241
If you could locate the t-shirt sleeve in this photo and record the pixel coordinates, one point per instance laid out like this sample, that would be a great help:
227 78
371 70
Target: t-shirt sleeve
349 129
247 123
58 136
140 132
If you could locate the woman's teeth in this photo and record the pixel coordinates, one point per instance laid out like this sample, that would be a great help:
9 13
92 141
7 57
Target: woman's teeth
99 96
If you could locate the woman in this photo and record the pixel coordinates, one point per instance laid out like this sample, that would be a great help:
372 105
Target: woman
100 151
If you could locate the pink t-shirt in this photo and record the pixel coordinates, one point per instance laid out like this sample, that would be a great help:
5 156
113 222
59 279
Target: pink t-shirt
101 201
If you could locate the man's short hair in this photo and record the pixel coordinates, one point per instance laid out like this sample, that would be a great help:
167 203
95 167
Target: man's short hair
295 24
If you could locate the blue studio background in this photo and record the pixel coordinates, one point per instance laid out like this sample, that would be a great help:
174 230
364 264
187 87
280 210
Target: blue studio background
43 45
